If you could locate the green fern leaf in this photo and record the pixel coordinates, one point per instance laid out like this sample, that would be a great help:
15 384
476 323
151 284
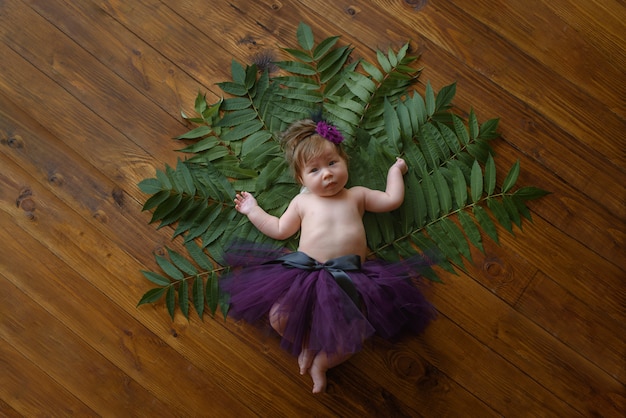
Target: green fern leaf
443 191
150 186
392 127
156 278
156 200
500 213
512 210
417 110
457 237
203 145
373 71
432 199
297 82
450 138
490 176
304 35
170 301
235 103
233 88
476 182
295 67
429 98
323 47
486 223
511 177
428 246
237 117
183 298
383 61
444 97
212 293
196 253
181 262
471 230
459 186
298 54
181 210
445 244
460 129
152 295
197 292
169 268
170 204
473 125
238 72
203 221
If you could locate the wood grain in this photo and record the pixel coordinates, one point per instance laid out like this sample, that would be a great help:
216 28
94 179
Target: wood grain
90 99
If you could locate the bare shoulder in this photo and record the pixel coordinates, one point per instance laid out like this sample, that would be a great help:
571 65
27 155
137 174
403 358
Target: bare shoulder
359 192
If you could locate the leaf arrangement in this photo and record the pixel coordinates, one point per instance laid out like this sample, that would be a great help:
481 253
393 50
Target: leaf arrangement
451 199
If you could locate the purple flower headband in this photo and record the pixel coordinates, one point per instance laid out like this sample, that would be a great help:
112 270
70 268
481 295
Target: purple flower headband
329 132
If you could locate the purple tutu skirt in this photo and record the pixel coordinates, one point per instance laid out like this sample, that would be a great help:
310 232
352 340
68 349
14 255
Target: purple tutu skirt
320 311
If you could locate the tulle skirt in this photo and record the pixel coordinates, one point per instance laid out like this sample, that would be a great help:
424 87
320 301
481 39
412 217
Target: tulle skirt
314 309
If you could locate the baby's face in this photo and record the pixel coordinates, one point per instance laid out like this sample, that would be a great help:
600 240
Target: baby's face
325 175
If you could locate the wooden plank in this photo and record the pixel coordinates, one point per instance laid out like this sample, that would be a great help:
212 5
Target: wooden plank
587 329
93 85
574 163
144 68
104 326
513 336
541 32
527 79
575 154
109 269
551 148
407 376
28 391
584 274
170 34
7 411
46 342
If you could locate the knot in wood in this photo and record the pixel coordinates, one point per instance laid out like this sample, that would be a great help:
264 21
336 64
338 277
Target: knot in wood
406 366
101 216
24 200
416 4
352 11
118 196
160 250
496 269
56 178
15 141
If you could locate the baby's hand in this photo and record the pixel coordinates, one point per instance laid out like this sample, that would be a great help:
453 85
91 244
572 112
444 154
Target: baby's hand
245 202
401 164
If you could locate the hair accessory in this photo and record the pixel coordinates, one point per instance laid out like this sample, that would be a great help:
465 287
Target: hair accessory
329 132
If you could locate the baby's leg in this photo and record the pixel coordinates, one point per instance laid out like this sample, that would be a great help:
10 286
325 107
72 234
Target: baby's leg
278 318
305 359
321 363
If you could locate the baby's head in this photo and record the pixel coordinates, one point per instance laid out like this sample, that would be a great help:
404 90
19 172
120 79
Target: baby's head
305 140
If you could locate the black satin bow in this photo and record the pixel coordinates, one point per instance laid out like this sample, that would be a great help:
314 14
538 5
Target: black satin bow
337 267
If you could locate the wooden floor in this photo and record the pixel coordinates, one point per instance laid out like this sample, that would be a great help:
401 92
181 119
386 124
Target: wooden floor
90 97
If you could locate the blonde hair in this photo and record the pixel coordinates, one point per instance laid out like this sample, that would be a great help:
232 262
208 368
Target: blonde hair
302 143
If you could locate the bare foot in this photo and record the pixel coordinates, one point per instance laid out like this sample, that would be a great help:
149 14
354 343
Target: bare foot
319 376
305 359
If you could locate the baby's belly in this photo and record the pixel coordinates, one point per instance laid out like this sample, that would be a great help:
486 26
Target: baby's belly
326 245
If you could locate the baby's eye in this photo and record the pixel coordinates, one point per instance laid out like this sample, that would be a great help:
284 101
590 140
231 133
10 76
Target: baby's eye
313 170
332 163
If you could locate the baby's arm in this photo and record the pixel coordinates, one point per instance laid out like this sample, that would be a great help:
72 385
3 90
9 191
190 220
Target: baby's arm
393 196
277 228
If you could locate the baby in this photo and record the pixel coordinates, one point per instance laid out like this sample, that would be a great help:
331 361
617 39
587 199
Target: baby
325 299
